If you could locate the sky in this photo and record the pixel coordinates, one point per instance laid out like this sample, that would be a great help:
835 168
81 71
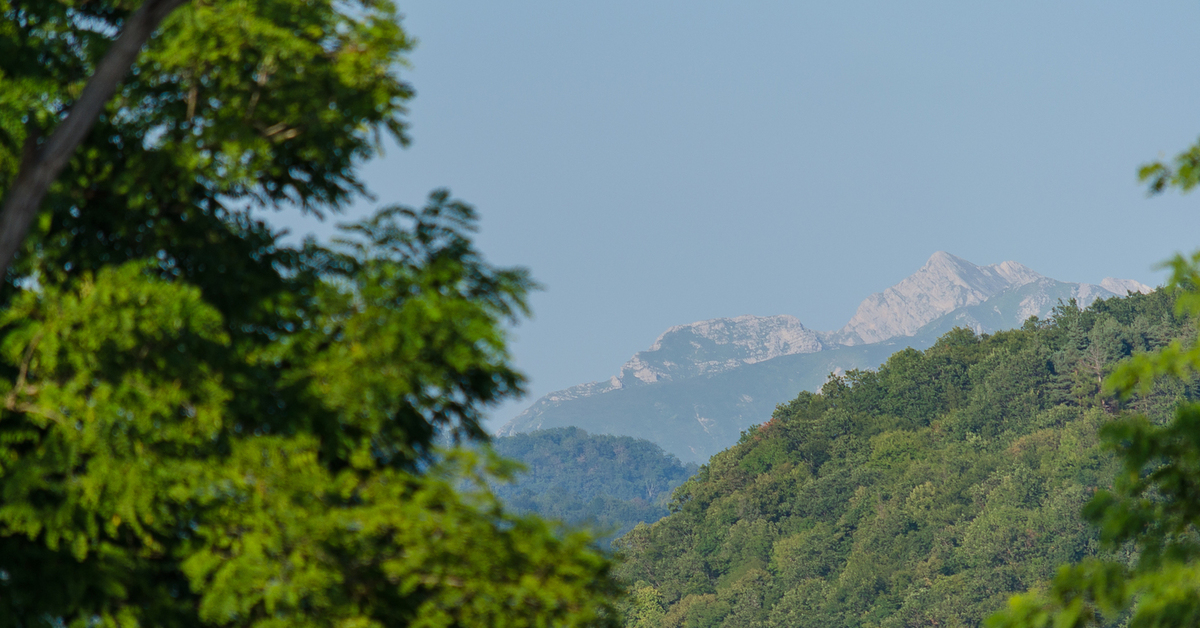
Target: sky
655 163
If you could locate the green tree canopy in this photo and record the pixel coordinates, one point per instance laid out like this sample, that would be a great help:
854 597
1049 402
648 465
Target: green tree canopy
608 483
232 104
924 493
1151 513
202 425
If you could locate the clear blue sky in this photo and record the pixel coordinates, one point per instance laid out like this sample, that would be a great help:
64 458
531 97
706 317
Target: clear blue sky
658 163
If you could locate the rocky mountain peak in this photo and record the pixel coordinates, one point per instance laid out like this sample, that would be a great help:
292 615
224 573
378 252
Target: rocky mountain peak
717 345
700 384
1015 273
1121 287
944 284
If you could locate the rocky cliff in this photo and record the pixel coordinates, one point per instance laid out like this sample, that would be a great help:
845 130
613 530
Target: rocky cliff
718 345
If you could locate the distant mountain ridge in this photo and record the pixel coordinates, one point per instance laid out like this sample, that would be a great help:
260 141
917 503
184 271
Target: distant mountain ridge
718 345
946 292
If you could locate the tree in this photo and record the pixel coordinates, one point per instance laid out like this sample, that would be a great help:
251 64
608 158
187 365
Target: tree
269 104
926 492
41 164
203 426
1153 510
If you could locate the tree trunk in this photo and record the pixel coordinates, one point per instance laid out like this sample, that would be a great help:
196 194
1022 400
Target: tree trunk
40 166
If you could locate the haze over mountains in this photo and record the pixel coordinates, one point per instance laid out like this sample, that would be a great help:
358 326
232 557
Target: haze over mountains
699 385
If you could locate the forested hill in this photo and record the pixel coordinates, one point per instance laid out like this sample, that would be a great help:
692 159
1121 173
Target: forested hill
921 494
610 483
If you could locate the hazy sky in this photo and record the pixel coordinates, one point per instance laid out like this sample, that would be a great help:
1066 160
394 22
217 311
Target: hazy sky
656 163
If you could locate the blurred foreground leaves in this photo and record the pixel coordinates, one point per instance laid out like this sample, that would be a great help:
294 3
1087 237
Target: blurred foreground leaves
139 488
203 425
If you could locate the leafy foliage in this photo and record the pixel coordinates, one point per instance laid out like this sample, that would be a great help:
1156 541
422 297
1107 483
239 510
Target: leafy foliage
203 426
232 105
609 483
142 484
1151 510
1183 172
926 492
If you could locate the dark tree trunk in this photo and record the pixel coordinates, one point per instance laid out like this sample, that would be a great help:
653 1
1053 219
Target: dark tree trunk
41 165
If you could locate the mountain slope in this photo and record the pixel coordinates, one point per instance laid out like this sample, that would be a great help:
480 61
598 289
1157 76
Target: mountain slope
700 385
923 494
696 417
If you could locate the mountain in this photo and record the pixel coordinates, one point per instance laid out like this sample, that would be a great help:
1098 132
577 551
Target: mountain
696 417
718 345
925 494
944 284
700 385
704 348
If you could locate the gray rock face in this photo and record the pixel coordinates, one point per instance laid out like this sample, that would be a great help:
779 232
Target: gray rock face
699 385
718 345
944 284
1125 286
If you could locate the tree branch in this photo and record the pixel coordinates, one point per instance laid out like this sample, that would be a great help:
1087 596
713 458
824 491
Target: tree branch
39 168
